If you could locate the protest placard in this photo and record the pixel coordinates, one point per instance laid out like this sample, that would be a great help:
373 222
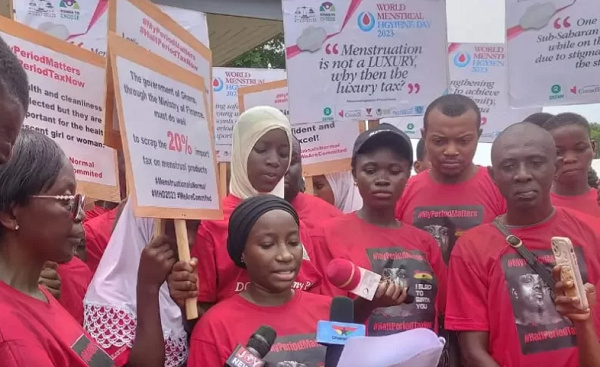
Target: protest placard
479 71
144 24
553 52
226 82
65 103
363 60
326 146
163 116
82 23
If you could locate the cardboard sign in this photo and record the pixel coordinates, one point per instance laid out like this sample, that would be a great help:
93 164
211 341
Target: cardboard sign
169 152
66 104
145 24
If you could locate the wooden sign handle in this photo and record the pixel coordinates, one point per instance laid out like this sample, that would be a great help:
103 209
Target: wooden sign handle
191 305
183 247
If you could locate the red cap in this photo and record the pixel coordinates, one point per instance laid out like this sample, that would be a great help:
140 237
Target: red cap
343 274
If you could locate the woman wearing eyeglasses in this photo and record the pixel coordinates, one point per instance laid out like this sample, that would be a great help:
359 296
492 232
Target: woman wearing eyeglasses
39 210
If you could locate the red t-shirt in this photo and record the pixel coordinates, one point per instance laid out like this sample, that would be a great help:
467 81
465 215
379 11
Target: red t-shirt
314 211
446 211
586 203
95 212
234 320
34 333
404 252
219 277
491 288
75 277
97 235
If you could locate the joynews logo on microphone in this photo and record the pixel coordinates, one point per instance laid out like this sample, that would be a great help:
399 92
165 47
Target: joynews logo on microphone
241 357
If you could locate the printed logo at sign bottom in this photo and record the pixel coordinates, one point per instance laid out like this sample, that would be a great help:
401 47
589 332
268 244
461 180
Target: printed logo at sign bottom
556 92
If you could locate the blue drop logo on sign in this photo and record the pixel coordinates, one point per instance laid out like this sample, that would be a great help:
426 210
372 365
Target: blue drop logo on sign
217 84
366 21
462 59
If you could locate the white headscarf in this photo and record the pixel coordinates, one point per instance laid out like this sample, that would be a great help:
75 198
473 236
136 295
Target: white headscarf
250 127
110 311
346 195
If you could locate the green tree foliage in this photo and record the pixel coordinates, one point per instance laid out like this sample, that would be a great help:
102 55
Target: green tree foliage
595 127
268 55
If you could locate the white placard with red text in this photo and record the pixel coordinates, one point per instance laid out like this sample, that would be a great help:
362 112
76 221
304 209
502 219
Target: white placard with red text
363 60
553 52
326 146
66 104
225 83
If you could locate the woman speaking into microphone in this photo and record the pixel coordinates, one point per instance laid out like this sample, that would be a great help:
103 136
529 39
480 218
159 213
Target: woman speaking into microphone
264 239
372 238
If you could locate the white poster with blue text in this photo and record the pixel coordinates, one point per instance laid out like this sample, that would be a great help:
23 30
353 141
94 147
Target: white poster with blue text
363 59
479 71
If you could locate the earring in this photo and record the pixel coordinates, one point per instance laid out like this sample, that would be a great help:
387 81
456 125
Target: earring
16 227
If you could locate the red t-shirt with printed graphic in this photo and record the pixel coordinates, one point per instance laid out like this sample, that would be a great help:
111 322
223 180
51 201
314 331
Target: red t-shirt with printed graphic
234 320
75 277
219 277
586 203
36 333
399 253
446 211
97 235
312 210
491 288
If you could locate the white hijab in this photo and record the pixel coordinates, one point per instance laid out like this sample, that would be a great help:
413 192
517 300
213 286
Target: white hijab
346 195
110 303
250 127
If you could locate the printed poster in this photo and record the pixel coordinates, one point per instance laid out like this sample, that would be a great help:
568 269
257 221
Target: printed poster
479 71
363 59
553 52
405 268
447 223
226 82
66 105
85 22
539 326
326 146
80 22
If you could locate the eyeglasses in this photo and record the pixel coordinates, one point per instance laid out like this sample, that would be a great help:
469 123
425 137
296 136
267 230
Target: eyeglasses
76 203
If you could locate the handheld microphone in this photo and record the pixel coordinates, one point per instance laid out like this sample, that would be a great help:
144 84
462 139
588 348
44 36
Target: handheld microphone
345 275
252 354
335 332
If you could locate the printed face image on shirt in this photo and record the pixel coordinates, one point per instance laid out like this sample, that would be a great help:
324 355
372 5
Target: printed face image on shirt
447 223
296 351
539 326
406 269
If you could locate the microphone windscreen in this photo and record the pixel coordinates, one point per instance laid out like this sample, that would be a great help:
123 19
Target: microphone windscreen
262 340
342 310
343 274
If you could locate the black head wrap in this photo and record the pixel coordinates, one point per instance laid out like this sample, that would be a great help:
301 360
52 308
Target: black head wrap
245 216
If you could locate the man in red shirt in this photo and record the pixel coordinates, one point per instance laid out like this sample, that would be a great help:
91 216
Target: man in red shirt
454 194
501 307
311 210
575 149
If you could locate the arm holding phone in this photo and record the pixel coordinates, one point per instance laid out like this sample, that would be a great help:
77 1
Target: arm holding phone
587 338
